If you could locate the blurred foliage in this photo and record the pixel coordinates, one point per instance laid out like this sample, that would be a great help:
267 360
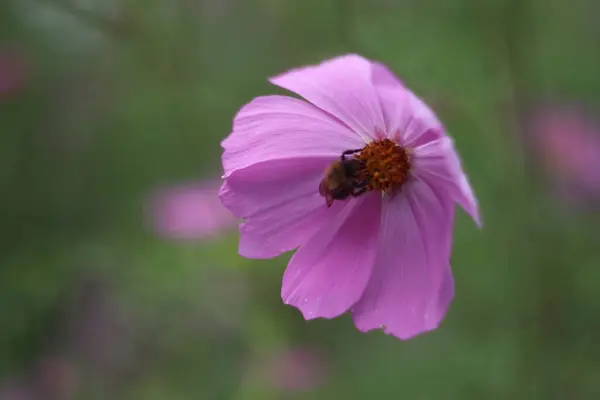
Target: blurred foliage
126 95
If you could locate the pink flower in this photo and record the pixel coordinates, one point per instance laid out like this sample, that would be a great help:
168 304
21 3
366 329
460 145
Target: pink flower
567 142
191 211
383 254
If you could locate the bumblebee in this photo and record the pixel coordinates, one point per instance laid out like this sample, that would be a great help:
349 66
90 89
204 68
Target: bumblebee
343 179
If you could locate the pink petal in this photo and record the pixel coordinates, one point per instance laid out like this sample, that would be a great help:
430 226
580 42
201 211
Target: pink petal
190 211
280 202
342 87
407 118
395 112
437 309
328 274
411 284
438 164
383 77
423 126
277 127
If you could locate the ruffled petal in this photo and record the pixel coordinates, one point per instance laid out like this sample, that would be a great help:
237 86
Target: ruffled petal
328 274
438 164
424 126
277 127
280 203
407 118
411 284
342 87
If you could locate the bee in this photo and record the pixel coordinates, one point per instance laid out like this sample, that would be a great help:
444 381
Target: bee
343 179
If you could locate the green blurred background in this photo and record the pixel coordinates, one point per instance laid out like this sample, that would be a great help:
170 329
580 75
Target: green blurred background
104 101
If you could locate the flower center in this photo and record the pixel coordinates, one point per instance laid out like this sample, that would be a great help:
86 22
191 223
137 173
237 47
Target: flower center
385 165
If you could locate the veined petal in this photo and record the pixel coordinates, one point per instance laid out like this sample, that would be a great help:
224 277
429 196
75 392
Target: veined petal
328 274
411 285
277 127
393 97
342 87
408 119
280 203
395 111
437 163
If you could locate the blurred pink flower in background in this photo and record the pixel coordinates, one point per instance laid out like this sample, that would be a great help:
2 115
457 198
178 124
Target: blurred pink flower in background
52 378
100 330
190 211
567 143
56 377
294 369
17 391
12 71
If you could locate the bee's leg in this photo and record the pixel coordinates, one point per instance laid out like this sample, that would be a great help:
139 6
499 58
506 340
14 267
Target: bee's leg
329 200
361 184
359 191
360 187
348 152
